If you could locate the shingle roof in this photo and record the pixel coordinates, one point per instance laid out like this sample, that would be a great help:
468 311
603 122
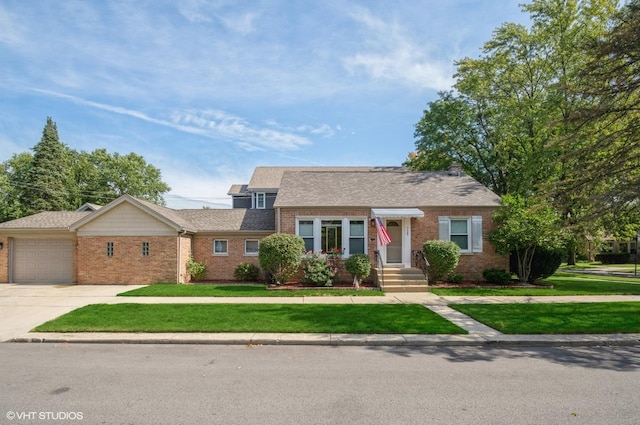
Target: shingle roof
237 189
52 220
231 220
391 189
268 178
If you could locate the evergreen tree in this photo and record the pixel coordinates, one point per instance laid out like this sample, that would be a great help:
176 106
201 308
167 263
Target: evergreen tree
46 183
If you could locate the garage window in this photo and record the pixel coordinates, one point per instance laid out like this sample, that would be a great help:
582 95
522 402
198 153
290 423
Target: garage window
109 249
145 249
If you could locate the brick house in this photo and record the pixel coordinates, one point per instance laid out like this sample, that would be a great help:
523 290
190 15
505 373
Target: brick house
137 242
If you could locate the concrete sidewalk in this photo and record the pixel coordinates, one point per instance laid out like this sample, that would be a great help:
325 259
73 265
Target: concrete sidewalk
26 306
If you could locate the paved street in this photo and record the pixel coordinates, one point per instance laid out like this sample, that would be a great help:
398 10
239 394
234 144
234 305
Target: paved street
169 384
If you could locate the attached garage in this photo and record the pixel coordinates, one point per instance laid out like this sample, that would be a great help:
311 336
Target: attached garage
42 261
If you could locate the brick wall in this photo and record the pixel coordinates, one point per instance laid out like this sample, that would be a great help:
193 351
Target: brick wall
4 260
221 267
422 229
128 265
470 265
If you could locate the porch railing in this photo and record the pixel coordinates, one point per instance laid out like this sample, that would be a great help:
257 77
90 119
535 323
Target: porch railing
380 268
418 260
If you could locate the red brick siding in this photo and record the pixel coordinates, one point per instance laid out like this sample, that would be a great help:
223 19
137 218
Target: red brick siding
4 260
470 265
128 265
221 267
422 229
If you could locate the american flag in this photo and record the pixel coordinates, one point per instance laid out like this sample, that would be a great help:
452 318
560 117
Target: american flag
383 235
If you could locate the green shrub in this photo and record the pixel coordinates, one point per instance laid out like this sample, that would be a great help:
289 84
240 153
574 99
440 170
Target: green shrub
613 257
455 278
196 270
545 262
280 256
317 270
442 256
497 276
246 272
359 266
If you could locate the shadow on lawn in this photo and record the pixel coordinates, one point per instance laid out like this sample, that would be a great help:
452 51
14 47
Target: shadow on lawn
619 358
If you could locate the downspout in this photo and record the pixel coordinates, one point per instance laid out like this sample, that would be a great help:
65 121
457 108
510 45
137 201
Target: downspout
277 220
179 269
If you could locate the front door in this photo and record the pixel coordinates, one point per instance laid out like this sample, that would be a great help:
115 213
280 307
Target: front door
394 248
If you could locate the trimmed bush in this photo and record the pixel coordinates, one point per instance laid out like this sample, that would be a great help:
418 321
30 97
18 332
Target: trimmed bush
545 262
246 272
613 257
359 266
280 256
442 256
455 278
497 276
196 270
316 270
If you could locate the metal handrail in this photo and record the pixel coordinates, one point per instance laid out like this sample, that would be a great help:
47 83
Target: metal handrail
420 261
380 267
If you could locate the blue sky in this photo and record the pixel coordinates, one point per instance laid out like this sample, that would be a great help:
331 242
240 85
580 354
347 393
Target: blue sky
206 90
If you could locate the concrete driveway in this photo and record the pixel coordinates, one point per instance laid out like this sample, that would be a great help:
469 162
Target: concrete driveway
26 306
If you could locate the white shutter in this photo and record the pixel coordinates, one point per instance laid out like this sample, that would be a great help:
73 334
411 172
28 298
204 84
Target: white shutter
443 228
476 233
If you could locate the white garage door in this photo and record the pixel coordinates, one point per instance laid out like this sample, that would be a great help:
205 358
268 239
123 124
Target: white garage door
42 260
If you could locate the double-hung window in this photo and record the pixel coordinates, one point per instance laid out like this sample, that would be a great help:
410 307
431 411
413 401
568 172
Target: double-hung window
466 232
251 247
344 235
305 231
220 247
356 237
260 200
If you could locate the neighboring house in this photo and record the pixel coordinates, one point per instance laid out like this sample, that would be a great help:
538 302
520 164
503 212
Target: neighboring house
134 241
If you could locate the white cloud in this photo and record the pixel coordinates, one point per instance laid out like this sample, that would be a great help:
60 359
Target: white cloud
12 32
220 124
215 124
389 53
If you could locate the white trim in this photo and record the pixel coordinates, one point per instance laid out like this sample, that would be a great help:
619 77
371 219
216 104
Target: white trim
397 213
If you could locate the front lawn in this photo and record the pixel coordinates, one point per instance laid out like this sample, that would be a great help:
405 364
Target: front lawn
175 290
552 318
274 318
563 284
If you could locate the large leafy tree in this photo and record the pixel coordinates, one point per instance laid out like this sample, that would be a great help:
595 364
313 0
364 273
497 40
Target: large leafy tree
512 103
55 177
606 128
100 177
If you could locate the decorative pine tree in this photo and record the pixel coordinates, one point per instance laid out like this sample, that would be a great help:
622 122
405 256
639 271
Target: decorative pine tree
45 186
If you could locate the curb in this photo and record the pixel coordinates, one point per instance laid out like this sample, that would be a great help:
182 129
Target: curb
403 340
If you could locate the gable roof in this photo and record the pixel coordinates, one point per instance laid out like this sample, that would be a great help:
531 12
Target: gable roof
163 214
268 179
392 189
237 189
48 220
231 220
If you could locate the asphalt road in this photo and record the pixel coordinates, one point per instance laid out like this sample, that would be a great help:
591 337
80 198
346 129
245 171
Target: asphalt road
180 384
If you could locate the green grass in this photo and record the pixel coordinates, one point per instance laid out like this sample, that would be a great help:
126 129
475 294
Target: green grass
563 284
174 290
552 318
278 318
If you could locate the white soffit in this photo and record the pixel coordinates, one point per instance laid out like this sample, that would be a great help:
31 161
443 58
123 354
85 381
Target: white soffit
396 212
